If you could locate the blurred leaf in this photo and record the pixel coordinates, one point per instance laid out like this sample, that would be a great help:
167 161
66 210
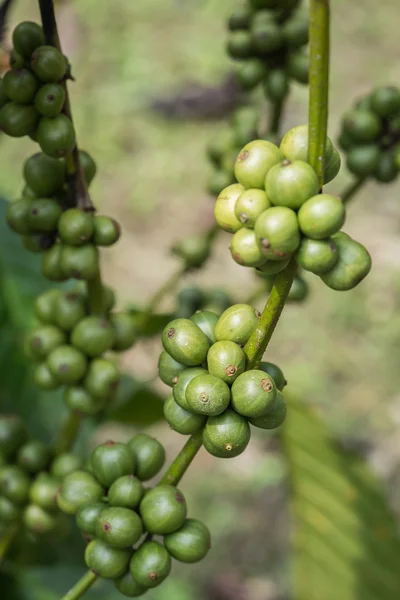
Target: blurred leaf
151 326
345 543
137 403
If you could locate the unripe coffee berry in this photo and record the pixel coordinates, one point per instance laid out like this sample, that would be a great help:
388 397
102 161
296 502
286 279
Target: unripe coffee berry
163 509
75 227
275 417
245 250
125 331
181 420
317 256
127 586
226 435
38 520
119 527
51 264
224 208
78 399
185 342
45 306
180 385
126 491
105 561
106 231
43 340
12 434
17 216
190 543
226 360
48 64
80 262
253 393
77 489
275 372
102 378
290 184
64 464
250 204
56 136
34 456
20 85
44 378
237 323
93 336
254 162
111 460
321 216
9 512
69 310
43 492
277 232
17 120
67 364
26 37
149 456
169 369
150 564
50 99
88 165
14 484
88 515
207 395
44 215
353 265
206 320
44 175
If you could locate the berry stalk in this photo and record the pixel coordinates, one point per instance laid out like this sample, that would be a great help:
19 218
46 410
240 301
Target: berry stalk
276 116
181 463
81 586
68 433
352 189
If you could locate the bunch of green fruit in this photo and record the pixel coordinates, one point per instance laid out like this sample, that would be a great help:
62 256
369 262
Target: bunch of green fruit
114 511
204 362
190 299
370 135
30 476
275 211
267 39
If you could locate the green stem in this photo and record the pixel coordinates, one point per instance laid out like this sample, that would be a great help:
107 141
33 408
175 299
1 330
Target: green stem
259 339
319 85
351 190
68 433
164 290
81 586
178 468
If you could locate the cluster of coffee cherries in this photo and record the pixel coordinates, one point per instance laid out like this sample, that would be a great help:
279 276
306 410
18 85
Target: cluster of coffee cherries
118 516
275 211
267 41
204 362
30 476
370 135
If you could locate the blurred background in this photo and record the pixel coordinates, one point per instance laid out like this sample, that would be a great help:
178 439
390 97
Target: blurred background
340 352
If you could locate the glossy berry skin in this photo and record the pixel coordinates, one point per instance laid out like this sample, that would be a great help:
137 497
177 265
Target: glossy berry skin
17 120
206 320
110 461
363 160
102 378
226 435
67 364
254 162
332 166
237 323
275 417
294 145
352 267
244 249
93 336
127 586
34 456
50 99
78 400
64 464
272 267
20 85
88 515
275 372
266 37
17 216
207 395
45 306
106 562
385 101
14 484
299 290
106 231
77 489
9 512
185 342
38 520
75 227
253 393
43 378
43 492
239 45
125 331
169 369
150 564
48 64
51 264
43 215
224 208
80 262
183 380
317 256
44 175
119 527
88 165
26 37
277 232
290 184
250 73
12 434
149 456
226 360
43 340
240 19
190 543
295 31
386 169
163 509
69 310
321 216
362 125
56 136
181 420
126 491
249 206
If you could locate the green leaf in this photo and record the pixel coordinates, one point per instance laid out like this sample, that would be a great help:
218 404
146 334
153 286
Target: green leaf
137 403
345 540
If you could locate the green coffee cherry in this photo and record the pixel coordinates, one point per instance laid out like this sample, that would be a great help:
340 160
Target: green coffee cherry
44 175
17 61
297 66
321 216
76 227
181 420
250 73
169 369
14 484
150 564
275 372
43 215
17 216
34 456
206 321
125 331
17 120
163 509
149 456
266 37
253 393
126 491
245 250
45 306
190 543
67 364
254 162
127 586
317 256
386 169
93 336
363 160
9 512
105 561
56 136
362 125
51 264
185 342
240 19
50 99
295 31
226 360
277 232
26 37
352 267
108 298
43 491
290 184
299 290
217 300
272 267
78 489
294 145
38 242
78 399
239 44
385 101
20 85
43 378
12 434
181 383
64 464
194 250
38 520
237 323
275 417
43 340
48 64
119 527
250 205
277 85
80 262
332 166
69 310
224 208
111 460
207 395
106 231
226 435
102 378
88 515
88 165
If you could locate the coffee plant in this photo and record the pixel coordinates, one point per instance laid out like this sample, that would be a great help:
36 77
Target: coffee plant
269 195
